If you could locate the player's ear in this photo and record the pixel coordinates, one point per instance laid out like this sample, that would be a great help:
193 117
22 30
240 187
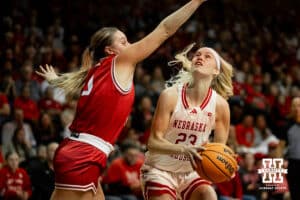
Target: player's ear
108 50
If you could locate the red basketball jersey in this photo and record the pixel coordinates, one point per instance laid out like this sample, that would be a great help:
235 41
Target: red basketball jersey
103 106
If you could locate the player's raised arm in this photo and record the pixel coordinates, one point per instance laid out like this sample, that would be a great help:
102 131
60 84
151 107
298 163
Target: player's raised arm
222 121
136 52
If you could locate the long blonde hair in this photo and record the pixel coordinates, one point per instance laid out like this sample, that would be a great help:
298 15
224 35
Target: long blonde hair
73 82
222 83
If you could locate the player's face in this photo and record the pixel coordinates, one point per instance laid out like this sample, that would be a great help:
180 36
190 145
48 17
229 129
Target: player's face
120 42
204 62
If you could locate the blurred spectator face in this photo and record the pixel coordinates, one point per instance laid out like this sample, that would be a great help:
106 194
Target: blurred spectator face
30 52
49 93
157 74
45 120
296 109
245 66
267 78
131 155
51 150
248 121
26 92
249 79
146 103
9 37
295 92
274 90
132 135
9 55
261 122
119 43
146 80
42 152
27 72
20 135
249 160
139 73
8 65
13 161
19 116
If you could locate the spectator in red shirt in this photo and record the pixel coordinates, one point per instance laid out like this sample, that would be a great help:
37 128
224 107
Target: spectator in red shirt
49 104
4 107
230 190
29 106
14 181
122 176
245 131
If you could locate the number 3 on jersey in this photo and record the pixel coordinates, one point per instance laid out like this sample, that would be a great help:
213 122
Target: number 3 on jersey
183 138
88 91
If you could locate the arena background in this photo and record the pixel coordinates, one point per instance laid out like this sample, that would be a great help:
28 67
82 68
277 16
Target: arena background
260 38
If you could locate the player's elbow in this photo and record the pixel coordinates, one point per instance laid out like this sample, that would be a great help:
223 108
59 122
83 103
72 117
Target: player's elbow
166 30
153 142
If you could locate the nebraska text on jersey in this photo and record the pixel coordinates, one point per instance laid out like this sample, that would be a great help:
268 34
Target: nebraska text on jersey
189 125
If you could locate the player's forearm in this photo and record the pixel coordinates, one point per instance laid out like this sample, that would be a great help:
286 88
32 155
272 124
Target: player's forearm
163 146
171 23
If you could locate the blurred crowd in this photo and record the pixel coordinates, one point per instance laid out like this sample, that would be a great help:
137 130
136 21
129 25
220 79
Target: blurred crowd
260 39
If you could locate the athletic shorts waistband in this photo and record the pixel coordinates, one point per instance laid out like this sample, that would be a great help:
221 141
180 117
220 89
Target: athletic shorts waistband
95 141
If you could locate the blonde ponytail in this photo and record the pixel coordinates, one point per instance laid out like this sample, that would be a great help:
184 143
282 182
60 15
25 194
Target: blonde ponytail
73 82
184 75
222 83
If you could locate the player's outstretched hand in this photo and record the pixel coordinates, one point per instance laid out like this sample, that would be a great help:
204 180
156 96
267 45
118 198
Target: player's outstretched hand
47 72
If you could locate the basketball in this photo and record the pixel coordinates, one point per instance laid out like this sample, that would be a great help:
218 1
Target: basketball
218 163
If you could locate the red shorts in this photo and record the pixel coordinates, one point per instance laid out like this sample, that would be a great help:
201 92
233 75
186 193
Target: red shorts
78 166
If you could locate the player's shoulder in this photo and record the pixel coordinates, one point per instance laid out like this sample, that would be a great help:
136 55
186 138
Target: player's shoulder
221 103
169 95
169 92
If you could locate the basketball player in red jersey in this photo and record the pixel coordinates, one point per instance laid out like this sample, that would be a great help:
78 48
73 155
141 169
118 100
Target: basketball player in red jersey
106 97
186 114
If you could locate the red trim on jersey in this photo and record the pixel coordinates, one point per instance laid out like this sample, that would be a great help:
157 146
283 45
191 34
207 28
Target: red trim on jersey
187 192
206 100
160 192
183 97
118 86
157 189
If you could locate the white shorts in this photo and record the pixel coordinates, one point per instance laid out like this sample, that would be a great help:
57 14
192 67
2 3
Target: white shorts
157 182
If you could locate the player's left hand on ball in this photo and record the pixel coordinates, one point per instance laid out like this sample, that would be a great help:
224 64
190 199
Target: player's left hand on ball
193 153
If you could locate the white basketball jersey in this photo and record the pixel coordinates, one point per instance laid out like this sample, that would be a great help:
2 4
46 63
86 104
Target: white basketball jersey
189 126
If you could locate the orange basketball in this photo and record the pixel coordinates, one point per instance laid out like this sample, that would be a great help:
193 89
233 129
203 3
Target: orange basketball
218 163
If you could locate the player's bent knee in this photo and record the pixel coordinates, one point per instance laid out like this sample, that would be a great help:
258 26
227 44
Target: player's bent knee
205 192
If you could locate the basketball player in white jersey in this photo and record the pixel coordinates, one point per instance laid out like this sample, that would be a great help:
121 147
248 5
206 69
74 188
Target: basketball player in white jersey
185 115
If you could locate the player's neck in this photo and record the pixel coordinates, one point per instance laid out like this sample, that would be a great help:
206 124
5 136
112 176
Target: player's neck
197 92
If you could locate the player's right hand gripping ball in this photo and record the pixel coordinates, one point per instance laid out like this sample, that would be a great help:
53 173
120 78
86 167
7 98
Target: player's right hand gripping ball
218 163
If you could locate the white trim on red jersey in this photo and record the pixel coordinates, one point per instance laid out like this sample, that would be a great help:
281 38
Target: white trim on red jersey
83 188
95 141
115 80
